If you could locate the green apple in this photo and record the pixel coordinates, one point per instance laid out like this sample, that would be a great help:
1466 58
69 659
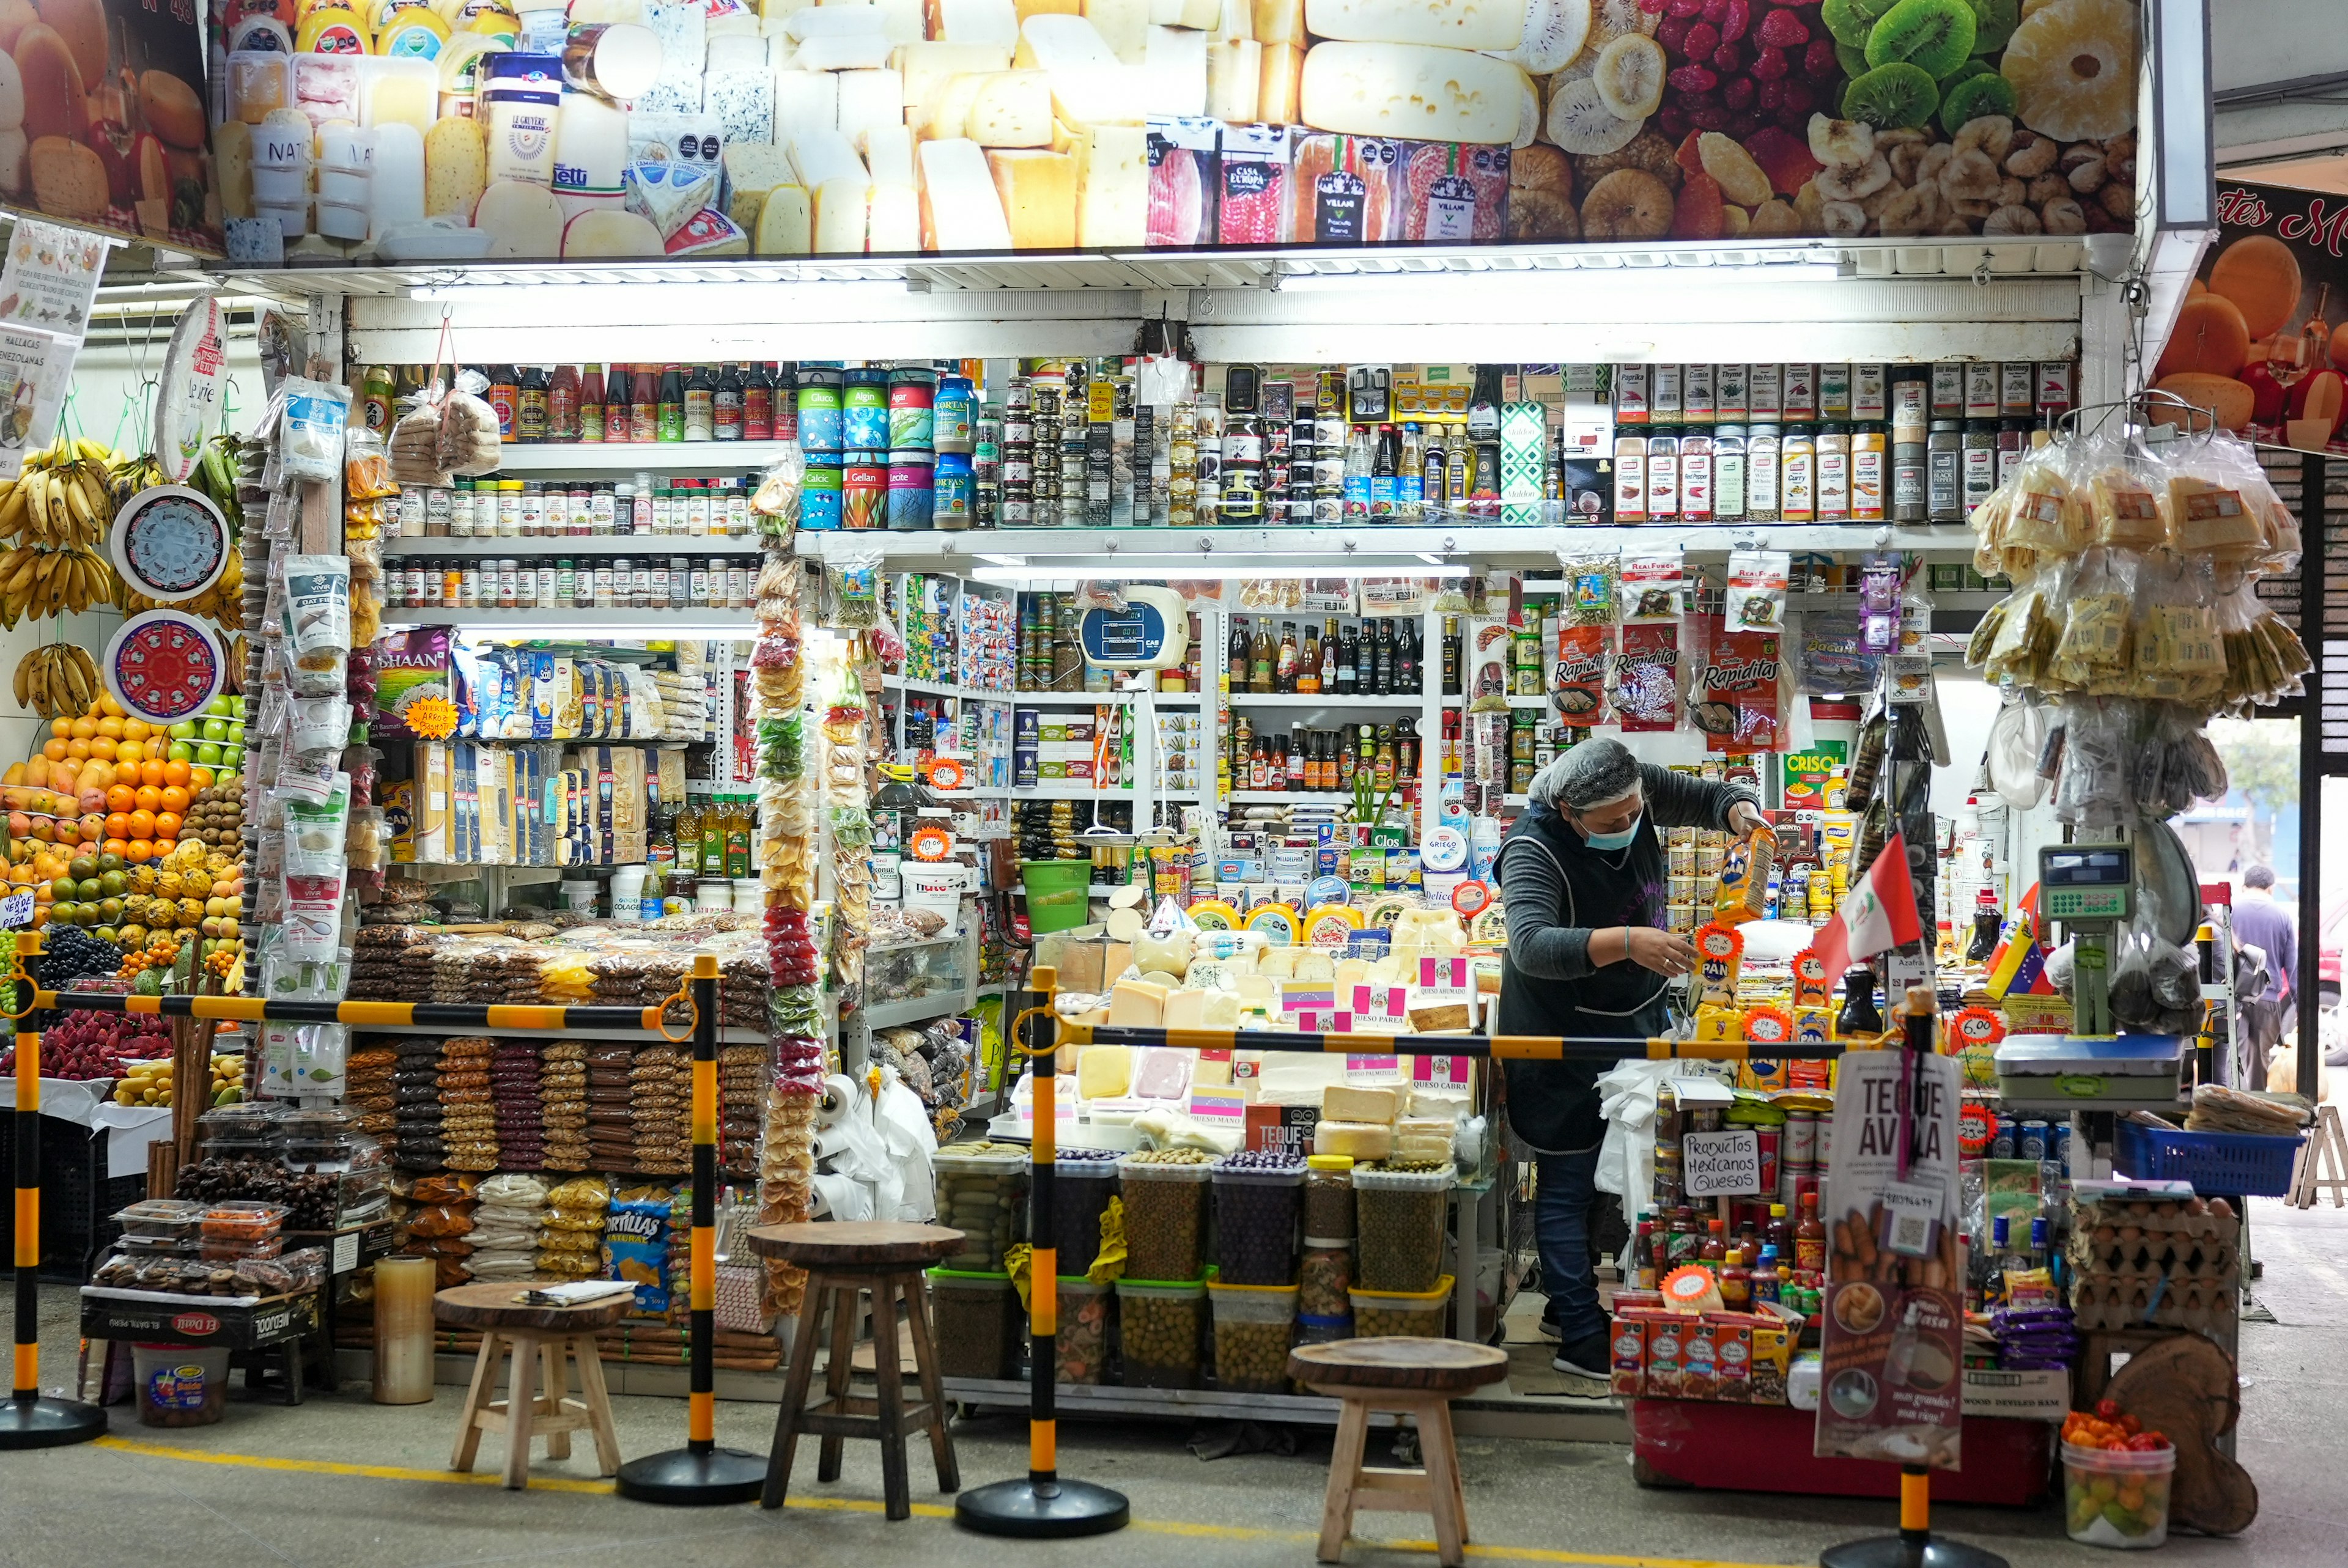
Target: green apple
182 751
207 753
220 705
185 730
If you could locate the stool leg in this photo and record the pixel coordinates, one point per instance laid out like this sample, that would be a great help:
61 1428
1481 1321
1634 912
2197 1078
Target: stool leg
476 1396
1444 1498
598 1399
837 1376
887 1361
521 1372
1344 1469
550 1399
925 1359
795 1393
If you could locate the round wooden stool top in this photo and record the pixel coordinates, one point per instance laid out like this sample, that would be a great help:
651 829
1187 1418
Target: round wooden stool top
1396 1363
490 1304
857 1244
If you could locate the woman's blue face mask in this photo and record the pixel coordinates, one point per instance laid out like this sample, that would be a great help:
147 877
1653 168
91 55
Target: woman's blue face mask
1611 826
1612 840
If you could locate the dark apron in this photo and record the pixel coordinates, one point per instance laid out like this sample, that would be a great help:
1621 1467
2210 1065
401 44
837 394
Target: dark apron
1553 1105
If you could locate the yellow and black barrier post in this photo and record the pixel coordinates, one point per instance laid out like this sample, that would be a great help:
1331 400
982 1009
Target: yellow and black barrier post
28 1420
1043 1506
700 1473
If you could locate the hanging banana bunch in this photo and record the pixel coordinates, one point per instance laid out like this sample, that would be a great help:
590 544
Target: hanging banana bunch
53 582
55 679
65 506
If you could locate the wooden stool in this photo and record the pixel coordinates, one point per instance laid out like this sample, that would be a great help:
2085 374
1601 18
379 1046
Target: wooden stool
539 1340
886 1260
2325 1151
1419 1377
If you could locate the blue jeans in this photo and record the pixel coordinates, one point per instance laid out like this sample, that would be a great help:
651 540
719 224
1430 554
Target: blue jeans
1565 1191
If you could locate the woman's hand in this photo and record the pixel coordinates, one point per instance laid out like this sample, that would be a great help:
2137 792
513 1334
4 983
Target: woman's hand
1661 951
1743 817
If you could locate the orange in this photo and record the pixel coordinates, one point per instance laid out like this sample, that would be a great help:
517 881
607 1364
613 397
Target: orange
175 773
142 823
150 772
40 916
61 728
77 748
121 797
116 846
108 705
118 825
175 798
43 892
111 727
99 747
139 852
83 729
135 730
54 750
165 845
200 776
167 824
148 799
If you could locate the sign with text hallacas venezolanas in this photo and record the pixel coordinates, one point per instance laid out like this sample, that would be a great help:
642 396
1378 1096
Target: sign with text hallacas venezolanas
2255 342
1892 1341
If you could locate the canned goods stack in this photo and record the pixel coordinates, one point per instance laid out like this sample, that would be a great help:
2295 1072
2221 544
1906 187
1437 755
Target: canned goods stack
913 452
816 400
1017 468
953 428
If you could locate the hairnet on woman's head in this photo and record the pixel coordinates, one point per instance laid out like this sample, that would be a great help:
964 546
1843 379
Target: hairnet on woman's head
1597 771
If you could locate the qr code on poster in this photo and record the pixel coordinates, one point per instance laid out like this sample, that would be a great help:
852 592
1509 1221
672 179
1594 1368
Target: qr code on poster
1911 1234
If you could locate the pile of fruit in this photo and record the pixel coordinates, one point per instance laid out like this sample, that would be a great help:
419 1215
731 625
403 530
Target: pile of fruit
150 1082
56 514
2116 1507
98 1047
2109 1428
108 783
140 906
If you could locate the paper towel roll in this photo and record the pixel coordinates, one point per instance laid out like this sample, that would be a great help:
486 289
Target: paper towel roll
840 1097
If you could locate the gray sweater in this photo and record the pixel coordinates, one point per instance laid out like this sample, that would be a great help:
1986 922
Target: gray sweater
1533 893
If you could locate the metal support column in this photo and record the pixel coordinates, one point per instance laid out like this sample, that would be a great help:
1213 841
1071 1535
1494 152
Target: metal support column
2313 630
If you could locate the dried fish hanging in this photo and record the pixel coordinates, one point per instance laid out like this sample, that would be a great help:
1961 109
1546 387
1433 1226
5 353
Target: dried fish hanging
787 851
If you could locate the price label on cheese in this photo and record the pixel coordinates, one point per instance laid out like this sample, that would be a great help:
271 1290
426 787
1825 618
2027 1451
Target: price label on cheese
1296 998
1450 1071
1380 1002
1373 1068
1443 980
1324 1020
1220 1107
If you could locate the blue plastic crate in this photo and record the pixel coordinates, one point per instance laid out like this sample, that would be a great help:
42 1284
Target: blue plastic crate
2251 1164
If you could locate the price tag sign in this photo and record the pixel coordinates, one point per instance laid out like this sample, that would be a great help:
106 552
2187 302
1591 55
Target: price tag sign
1220 1107
346 1253
1373 1068
1721 1164
1064 1110
1324 1020
1296 998
1450 1071
1379 1001
1443 980
17 909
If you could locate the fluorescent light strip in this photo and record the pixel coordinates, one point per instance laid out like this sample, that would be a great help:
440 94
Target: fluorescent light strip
609 632
1031 576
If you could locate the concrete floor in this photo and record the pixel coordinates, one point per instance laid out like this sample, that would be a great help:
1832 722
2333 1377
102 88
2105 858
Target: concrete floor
343 1483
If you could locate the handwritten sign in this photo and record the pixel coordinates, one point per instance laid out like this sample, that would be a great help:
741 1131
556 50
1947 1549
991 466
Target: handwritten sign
1721 1164
17 909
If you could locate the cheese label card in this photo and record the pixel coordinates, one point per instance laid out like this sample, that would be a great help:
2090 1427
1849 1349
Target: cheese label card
1220 1107
1297 997
1442 980
1064 1110
1373 1068
1440 1070
1324 1020
1379 1001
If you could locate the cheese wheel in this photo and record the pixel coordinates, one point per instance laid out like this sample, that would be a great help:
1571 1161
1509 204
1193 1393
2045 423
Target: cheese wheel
54 89
609 232
81 24
1410 90
1451 24
69 178
960 209
522 219
169 105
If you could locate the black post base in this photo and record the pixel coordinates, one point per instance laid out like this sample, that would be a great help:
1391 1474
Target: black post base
683 1477
1030 1510
1901 1552
48 1423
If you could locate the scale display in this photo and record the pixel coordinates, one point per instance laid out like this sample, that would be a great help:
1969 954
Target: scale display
2082 881
1151 632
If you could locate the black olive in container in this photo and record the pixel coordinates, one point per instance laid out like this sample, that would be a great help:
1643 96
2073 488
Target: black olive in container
977 1322
1257 1199
1086 1181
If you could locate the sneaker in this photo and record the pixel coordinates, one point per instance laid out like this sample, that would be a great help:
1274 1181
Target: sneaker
1589 1358
1550 1330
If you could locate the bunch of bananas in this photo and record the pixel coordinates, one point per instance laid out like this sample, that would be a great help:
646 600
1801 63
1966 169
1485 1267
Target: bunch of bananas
57 678
223 603
53 582
63 499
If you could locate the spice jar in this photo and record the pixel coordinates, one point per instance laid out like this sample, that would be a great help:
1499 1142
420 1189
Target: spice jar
1797 480
1662 478
1834 473
1978 476
1867 474
1943 479
1728 473
1907 464
1870 393
2013 445
1911 390
1696 475
1630 478
1763 455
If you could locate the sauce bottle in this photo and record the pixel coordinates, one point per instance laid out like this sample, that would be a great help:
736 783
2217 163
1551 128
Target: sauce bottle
562 404
669 406
376 396
617 385
1644 1273
700 403
505 398
1683 1242
1764 1277
1715 1250
591 405
725 405
758 405
737 839
531 404
1780 1234
1308 664
1810 1238
643 405
1736 1281
1284 667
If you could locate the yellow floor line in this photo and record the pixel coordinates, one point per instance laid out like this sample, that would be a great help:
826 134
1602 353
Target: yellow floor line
865 1505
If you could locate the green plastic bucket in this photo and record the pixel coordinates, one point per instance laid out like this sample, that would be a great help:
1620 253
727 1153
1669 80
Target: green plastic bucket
1059 893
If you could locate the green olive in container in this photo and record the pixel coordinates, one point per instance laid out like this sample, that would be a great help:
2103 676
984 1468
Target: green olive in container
982 1191
1161 1326
1253 1325
1400 1216
1165 1194
977 1323
1082 1345
1411 1313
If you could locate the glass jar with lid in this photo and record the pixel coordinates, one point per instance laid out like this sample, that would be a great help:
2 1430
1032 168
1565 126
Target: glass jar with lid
1978 476
1798 482
1728 473
1868 477
1943 472
1696 473
1912 405
1834 472
1764 453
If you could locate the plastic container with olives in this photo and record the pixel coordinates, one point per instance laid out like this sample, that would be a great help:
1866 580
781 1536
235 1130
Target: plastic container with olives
982 1191
1165 1214
1160 1327
1253 1323
1083 1181
1400 1216
1257 1196
1415 1314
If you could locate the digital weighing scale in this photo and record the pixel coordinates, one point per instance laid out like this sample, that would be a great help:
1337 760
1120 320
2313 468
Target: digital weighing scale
2089 889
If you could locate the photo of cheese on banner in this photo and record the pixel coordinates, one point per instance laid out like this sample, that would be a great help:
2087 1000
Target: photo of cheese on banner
102 120
408 131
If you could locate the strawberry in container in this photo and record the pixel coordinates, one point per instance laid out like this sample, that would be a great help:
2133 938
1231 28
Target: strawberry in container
1182 182
1342 190
1251 173
1456 192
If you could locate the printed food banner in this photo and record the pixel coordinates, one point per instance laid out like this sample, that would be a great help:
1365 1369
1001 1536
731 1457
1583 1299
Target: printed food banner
2254 344
103 119
402 132
1893 1340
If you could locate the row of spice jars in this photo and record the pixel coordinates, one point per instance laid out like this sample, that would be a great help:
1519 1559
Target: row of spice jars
1827 472
1667 394
622 582
495 507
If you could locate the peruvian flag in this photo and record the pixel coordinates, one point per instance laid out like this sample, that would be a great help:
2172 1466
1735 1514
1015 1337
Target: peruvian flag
1877 915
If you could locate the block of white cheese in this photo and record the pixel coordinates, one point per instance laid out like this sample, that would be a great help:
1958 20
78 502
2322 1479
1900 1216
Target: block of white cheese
868 99
744 102
1105 1071
844 52
1112 188
888 155
1256 989
1312 964
725 22
786 225
1039 196
977 22
1234 79
841 206
522 219
805 101
1410 90
1090 85
893 225
1421 1150
1437 1106
960 210
456 166
836 22
1278 963
946 116
1186 1009
1199 14
1451 24
822 156
925 66
1356 1102
1173 72
738 52
1011 109
758 165
609 232
1358 1140
1123 25
1280 22
1281 75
